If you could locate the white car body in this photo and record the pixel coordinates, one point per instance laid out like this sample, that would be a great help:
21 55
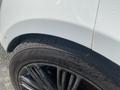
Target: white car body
91 23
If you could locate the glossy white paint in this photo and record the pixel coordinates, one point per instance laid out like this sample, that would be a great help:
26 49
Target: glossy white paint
107 30
73 20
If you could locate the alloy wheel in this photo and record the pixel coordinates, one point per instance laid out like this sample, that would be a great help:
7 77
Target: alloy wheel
37 76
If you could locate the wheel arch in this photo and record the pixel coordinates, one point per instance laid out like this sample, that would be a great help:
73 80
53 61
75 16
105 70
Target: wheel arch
103 64
64 29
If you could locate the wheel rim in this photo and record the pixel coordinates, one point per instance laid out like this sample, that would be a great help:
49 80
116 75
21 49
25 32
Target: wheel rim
37 76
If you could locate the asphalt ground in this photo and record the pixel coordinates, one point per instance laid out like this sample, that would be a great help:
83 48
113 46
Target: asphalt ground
5 83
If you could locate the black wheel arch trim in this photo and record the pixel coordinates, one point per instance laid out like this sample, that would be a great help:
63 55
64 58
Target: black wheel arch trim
104 65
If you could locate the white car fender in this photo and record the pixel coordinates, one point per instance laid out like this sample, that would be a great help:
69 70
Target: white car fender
72 20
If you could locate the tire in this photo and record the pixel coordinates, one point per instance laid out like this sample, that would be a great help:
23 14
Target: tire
60 68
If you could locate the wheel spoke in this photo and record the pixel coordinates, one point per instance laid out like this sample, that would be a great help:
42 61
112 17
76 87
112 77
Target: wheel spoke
71 81
39 76
66 80
63 79
35 76
44 78
28 84
59 78
77 83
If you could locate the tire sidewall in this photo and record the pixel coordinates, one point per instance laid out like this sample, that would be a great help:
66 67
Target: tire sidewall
60 58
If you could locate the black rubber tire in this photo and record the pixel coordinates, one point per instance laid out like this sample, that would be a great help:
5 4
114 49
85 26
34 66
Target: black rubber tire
27 53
